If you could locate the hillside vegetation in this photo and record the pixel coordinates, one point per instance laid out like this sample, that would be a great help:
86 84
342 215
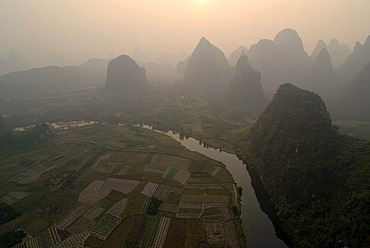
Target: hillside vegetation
318 179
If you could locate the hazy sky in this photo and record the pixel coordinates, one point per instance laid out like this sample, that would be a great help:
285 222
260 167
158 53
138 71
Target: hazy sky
80 29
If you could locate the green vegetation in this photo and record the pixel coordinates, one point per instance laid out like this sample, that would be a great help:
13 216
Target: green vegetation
235 210
153 206
7 213
103 170
239 192
12 238
12 141
318 179
130 244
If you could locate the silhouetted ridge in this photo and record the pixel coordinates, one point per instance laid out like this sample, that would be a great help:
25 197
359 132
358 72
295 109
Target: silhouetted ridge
208 69
355 99
245 88
288 39
97 68
355 62
321 78
338 52
280 61
235 55
323 61
124 76
45 81
319 46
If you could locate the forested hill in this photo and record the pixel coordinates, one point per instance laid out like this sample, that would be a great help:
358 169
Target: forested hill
318 179
13 141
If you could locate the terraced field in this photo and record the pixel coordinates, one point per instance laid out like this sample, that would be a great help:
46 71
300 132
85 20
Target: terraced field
98 194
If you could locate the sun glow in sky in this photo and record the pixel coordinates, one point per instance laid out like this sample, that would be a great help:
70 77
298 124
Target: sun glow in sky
81 29
202 2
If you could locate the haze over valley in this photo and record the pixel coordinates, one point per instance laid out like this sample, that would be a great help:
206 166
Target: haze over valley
200 123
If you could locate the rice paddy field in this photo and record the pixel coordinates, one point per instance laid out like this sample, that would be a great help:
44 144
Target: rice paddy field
94 186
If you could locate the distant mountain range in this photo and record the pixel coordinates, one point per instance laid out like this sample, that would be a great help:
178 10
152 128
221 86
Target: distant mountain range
329 70
338 52
45 81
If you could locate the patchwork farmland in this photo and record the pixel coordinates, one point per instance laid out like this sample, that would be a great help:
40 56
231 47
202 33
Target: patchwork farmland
111 190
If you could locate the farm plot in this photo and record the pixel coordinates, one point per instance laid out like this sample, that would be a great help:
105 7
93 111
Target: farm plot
76 240
54 235
105 226
170 173
145 205
118 208
81 225
211 168
137 228
151 231
123 169
229 187
45 239
170 161
226 213
231 234
220 200
177 190
212 214
13 197
30 243
94 212
149 189
154 168
105 204
34 173
128 157
215 234
94 192
182 176
105 168
72 216
203 182
121 185
178 175
102 158
189 210
168 207
160 237
164 191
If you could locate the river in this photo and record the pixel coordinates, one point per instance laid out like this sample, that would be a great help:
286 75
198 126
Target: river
258 228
